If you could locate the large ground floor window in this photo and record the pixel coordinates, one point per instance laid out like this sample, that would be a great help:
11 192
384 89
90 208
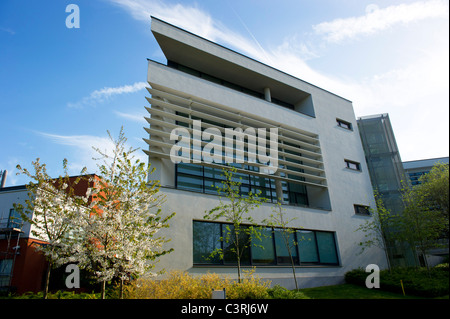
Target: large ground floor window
308 247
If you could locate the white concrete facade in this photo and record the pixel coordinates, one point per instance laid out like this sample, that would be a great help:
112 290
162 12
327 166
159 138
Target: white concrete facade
8 197
335 188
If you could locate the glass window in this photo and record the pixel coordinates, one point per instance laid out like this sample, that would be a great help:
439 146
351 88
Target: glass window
257 180
211 172
362 210
252 93
244 190
188 70
190 169
5 271
15 219
229 245
282 249
344 124
262 249
225 83
239 177
257 191
210 186
206 239
197 178
353 165
283 103
297 194
307 246
327 247
190 182
231 85
210 78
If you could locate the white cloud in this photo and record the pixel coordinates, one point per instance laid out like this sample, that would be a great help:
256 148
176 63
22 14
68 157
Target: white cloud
82 142
416 98
413 93
194 20
376 20
83 152
191 18
82 146
8 30
99 96
135 117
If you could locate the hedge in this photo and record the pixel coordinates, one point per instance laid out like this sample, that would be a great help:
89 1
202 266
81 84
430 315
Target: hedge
416 281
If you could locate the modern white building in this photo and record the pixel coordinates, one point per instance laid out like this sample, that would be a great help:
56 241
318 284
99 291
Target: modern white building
418 168
321 171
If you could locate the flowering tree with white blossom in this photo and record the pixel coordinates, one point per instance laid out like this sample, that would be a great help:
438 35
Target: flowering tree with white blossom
51 209
109 226
120 229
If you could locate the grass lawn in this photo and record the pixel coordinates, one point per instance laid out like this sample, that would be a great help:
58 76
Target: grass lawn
349 291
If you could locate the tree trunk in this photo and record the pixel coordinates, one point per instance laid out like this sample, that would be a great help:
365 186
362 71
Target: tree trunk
385 248
238 255
239 270
47 280
121 289
293 268
286 242
103 289
387 258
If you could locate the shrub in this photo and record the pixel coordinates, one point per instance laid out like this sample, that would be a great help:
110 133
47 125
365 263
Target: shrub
177 285
181 285
251 287
416 281
356 276
443 267
58 295
278 292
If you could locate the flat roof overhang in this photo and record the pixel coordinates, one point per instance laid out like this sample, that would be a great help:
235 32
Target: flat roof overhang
190 50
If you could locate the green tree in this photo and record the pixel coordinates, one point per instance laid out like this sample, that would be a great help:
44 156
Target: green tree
433 192
279 220
378 229
238 236
425 217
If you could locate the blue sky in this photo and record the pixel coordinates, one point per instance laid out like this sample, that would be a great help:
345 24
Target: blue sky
62 88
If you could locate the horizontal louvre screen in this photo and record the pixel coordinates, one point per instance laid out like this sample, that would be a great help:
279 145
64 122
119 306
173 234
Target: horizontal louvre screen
299 154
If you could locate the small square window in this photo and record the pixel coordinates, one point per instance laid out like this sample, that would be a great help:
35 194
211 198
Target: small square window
353 165
344 124
362 210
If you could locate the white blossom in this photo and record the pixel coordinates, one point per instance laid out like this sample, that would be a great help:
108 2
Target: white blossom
111 230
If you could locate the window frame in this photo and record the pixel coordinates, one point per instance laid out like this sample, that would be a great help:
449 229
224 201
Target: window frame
344 124
297 256
14 219
268 189
349 163
357 208
6 268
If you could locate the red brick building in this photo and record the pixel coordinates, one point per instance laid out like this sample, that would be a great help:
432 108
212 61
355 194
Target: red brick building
22 266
